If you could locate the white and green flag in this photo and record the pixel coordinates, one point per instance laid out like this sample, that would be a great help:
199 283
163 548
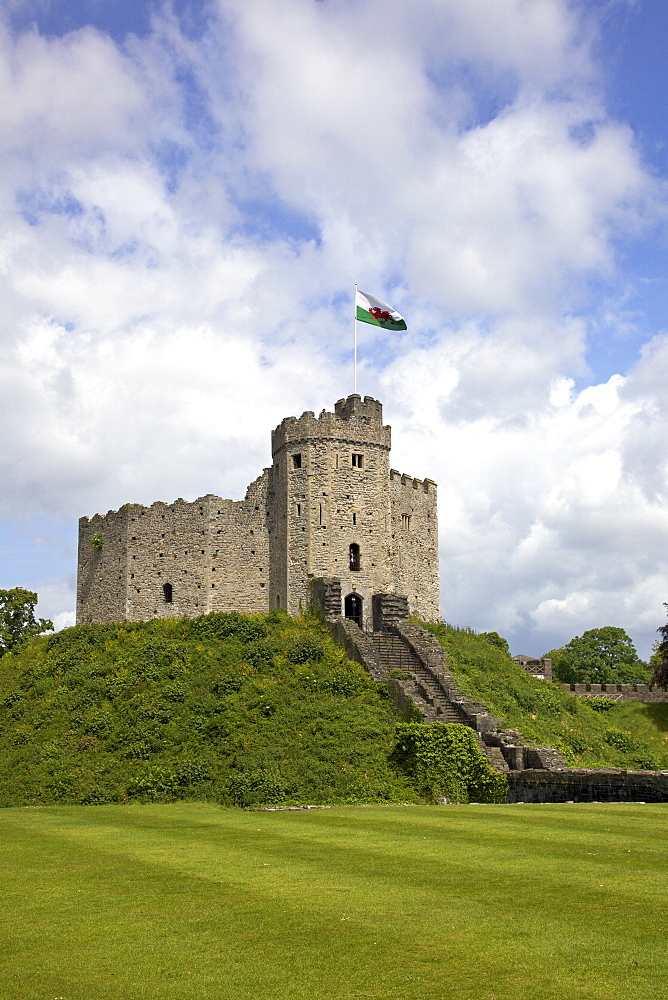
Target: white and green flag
371 310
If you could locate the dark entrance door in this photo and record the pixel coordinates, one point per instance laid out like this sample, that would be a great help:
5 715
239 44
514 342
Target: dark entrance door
353 608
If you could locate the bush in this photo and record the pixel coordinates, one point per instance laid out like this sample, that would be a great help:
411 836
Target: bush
601 704
445 761
617 738
260 655
227 683
163 784
249 788
306 650
227 624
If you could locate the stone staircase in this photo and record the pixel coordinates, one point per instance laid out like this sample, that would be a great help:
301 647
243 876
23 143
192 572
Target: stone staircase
394 654
426 690
413 665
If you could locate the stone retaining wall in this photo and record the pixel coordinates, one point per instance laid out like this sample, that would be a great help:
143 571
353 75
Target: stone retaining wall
587 785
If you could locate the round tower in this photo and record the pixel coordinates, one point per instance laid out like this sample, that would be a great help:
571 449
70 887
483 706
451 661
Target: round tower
330 506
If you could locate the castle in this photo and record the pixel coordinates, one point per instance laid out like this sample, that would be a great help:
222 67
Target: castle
329 506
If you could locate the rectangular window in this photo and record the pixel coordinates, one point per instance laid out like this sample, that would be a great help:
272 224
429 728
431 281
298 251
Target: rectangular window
406 522
297 461
299 510
358 461
354 518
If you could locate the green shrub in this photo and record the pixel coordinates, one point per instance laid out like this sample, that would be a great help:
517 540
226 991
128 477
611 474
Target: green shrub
226 624
249 788
227 683
165 784
601 704
306 650
445 761
260 655
617 738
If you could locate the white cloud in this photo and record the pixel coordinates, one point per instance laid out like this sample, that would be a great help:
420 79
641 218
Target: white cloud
183 218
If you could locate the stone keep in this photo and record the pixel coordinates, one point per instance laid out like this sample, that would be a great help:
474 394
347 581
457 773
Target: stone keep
329 506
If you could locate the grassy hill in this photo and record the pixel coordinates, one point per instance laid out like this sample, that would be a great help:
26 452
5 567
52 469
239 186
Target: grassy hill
623 734
225 708
242 710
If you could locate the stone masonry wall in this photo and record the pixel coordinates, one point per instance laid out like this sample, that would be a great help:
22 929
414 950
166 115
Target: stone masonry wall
620 692
587 785
213 553
331 476
102 572
415 544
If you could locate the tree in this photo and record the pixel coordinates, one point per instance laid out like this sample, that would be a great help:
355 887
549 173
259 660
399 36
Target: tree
17 618
599 656
494 639
659 659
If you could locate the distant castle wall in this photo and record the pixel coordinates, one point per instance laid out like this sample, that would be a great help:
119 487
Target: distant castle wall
618 692
327 507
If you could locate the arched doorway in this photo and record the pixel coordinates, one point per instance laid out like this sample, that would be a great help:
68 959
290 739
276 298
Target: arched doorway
352 608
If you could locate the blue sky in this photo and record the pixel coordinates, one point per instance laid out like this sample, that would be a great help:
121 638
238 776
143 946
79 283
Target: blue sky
190 191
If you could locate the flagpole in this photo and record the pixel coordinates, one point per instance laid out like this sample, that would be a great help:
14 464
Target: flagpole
355 341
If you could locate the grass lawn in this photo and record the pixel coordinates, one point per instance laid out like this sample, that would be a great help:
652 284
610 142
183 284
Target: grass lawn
193 901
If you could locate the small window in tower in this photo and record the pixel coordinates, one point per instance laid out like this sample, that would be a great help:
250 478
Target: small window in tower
354 557
297 461
167 592
336 461
358 460
299 510
320 514
354 518
406 522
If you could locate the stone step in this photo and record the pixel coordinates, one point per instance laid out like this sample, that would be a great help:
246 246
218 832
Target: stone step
394 654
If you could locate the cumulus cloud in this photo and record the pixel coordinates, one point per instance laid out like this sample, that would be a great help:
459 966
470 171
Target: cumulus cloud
184 215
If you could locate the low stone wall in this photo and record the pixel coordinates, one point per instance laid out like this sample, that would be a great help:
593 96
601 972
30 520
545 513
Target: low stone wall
620 692
357 644
587 785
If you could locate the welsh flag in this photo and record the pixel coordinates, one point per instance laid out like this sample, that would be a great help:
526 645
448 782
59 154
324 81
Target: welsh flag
371 310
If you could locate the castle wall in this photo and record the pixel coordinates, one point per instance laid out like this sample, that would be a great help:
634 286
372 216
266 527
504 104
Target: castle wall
239 569
167 545
102 572
213 554
415 543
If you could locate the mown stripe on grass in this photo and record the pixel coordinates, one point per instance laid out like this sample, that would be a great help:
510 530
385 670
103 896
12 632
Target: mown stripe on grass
197 901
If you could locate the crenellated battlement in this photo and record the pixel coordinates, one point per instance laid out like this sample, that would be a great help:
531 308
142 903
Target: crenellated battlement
368 409
353 420
425 485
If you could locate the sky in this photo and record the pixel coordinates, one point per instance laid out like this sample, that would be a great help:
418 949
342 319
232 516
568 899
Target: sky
189 192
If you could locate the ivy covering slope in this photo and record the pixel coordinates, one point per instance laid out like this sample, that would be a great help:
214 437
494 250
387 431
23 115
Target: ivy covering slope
227 708
602 733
